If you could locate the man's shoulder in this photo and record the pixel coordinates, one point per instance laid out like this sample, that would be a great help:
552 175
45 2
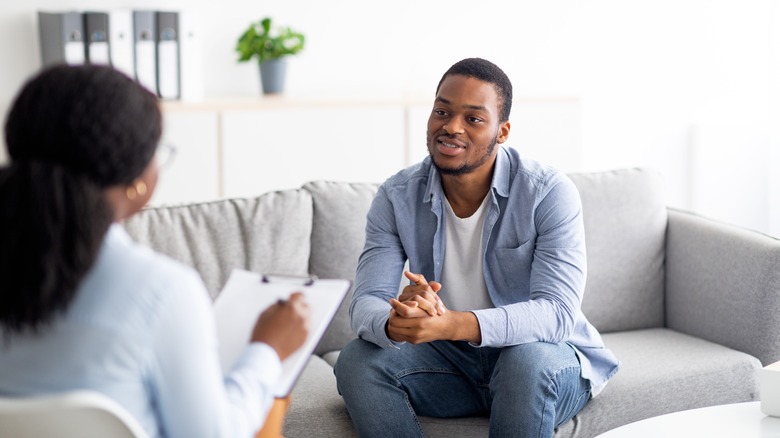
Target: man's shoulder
528 172
413 176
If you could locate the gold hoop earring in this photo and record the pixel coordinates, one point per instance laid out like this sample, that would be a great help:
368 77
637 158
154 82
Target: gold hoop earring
136 190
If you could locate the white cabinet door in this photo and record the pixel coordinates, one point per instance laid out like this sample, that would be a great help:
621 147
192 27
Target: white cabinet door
193 173
281 148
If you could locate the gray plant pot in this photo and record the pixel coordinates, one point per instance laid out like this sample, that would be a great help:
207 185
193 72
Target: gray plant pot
272 73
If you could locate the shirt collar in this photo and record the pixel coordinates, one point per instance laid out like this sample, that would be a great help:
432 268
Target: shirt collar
433 188
500 183
117 235
502 172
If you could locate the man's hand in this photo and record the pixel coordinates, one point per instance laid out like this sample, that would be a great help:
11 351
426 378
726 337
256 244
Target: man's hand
424 294
419 315
409 323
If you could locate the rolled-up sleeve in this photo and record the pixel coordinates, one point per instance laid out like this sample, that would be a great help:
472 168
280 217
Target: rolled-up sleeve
379 270
194 398
557 276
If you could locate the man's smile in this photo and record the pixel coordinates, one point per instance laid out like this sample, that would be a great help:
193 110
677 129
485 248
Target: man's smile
449 146
450 143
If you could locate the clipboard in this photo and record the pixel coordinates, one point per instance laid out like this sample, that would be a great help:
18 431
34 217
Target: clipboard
246 294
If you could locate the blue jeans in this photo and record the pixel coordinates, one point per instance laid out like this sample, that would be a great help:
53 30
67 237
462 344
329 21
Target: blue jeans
526 390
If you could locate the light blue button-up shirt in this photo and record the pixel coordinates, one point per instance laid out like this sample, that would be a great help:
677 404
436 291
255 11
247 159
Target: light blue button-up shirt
141 330
533 255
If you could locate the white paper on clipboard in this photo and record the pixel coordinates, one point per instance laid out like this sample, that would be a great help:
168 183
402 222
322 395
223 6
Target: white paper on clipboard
245 296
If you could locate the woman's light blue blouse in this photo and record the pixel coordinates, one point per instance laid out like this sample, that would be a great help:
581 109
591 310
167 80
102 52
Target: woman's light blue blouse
141 330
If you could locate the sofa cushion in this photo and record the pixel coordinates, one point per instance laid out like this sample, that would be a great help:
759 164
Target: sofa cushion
270 233
662 371
337 238
316 408
625 226
625 233
665 371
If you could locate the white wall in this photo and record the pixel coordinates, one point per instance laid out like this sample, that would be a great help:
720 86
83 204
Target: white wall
648 74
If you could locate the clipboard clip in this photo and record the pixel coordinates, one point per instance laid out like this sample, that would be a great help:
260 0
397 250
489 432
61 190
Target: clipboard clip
305 280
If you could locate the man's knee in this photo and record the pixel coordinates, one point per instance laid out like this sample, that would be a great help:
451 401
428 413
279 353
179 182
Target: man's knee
347 360
535 360
354 364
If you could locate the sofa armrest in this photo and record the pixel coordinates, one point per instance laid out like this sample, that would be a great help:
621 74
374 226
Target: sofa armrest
723 284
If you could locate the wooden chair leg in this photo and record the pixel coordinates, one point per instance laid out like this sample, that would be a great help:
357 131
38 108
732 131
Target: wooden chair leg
275 420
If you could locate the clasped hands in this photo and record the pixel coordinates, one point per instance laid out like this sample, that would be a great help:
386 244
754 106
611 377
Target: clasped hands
419 315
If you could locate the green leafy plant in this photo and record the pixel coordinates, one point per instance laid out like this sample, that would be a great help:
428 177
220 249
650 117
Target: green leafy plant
267 43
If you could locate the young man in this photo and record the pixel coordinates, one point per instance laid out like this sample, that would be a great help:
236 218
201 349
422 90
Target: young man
498 329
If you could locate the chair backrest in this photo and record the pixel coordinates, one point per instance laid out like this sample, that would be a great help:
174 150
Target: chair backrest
67 415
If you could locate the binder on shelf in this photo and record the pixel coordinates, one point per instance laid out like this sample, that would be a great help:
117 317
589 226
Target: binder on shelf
144 49
168 55
62 37
120 40
97 38
190 57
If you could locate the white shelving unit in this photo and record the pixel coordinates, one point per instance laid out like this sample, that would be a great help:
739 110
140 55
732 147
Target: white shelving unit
245 147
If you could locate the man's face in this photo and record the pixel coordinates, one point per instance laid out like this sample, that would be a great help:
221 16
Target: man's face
464 126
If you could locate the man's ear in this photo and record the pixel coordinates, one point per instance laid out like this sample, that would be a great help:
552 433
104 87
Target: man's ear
503 132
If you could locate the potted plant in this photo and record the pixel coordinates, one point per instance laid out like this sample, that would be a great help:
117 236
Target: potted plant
271 46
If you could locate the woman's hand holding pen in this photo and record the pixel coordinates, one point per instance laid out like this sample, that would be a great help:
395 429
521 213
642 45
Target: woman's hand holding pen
284 326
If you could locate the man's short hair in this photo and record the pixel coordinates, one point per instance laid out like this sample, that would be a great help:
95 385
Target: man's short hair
486 71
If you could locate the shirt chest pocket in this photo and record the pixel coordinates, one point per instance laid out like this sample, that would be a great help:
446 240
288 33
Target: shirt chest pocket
514 267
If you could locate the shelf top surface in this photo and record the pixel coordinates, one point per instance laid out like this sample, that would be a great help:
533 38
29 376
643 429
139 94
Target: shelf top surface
227 103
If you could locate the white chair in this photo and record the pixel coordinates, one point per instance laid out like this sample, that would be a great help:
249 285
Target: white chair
81 414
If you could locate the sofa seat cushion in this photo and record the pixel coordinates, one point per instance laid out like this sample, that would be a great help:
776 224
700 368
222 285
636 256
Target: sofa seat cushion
269 233
316 408
665 371
662 371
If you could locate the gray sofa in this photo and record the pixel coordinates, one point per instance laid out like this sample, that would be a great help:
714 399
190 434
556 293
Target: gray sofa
689 305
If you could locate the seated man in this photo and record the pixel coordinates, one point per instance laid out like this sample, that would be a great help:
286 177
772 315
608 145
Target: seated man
491 322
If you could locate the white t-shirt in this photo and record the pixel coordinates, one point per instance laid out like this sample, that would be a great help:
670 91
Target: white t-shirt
462 276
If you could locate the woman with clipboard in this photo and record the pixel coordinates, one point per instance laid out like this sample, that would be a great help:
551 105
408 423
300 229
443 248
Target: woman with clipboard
84 307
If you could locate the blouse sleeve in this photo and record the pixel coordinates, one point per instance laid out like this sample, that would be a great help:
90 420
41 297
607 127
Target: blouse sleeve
193 397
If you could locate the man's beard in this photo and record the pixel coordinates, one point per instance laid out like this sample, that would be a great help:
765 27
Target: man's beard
465 167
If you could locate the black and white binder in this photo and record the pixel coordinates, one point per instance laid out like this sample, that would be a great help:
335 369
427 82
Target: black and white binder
97 38
121 41
144 30
62 37
168 77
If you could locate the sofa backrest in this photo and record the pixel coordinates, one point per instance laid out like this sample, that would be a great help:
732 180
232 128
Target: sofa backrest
270 233
316 230
625 234
319 229
625 230
337 237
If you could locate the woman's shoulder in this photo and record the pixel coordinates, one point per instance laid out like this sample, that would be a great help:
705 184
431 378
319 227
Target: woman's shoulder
120 248
128 275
